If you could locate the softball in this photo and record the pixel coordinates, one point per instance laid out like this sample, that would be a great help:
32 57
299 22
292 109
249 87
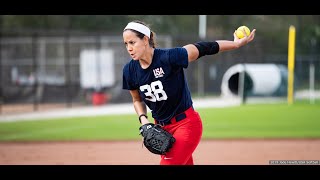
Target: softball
239 31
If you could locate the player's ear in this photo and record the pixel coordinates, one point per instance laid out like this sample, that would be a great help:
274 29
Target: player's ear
146 40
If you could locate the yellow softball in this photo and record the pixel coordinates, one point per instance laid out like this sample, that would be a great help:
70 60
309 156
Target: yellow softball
239 31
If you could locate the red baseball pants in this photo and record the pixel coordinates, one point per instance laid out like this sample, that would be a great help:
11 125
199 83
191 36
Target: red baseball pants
188 133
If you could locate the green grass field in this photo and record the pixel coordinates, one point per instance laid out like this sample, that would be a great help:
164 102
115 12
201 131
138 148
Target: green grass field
300 120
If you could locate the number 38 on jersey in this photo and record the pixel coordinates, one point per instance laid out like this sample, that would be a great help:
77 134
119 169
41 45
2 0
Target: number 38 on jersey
154 92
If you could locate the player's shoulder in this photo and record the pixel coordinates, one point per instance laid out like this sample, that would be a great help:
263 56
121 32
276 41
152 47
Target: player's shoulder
175 51
165 50
128 66
129 63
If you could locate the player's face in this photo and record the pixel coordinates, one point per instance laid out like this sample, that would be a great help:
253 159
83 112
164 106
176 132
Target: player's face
135 46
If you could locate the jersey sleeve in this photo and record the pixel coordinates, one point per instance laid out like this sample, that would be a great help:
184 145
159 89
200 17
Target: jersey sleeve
178 57
127 82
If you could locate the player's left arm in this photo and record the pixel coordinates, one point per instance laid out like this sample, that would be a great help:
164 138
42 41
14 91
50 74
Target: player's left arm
202 48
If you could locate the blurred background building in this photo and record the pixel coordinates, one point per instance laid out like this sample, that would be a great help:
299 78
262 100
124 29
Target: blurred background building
54 61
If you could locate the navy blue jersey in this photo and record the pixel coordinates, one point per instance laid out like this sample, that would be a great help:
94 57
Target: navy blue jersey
162 86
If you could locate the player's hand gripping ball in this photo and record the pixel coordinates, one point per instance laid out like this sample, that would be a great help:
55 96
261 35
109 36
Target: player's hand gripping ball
240 31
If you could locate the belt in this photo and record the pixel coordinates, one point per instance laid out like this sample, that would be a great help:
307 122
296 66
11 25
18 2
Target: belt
177 118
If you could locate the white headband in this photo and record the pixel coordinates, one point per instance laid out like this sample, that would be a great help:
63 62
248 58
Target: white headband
139 27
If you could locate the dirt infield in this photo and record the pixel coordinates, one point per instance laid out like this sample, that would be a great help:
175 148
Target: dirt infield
209 152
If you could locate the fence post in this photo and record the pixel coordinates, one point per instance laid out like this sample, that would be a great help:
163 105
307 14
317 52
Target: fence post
1 93
34 70
67 65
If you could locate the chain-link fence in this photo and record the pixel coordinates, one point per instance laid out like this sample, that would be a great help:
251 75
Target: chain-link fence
39 72
45 71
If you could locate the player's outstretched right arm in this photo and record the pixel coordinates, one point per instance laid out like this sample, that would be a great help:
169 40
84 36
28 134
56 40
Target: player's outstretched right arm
202 48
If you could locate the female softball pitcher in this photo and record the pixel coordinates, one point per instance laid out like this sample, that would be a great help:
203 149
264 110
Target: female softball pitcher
155 77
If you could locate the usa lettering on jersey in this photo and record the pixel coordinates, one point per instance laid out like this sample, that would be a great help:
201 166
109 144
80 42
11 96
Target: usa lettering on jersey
158 72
